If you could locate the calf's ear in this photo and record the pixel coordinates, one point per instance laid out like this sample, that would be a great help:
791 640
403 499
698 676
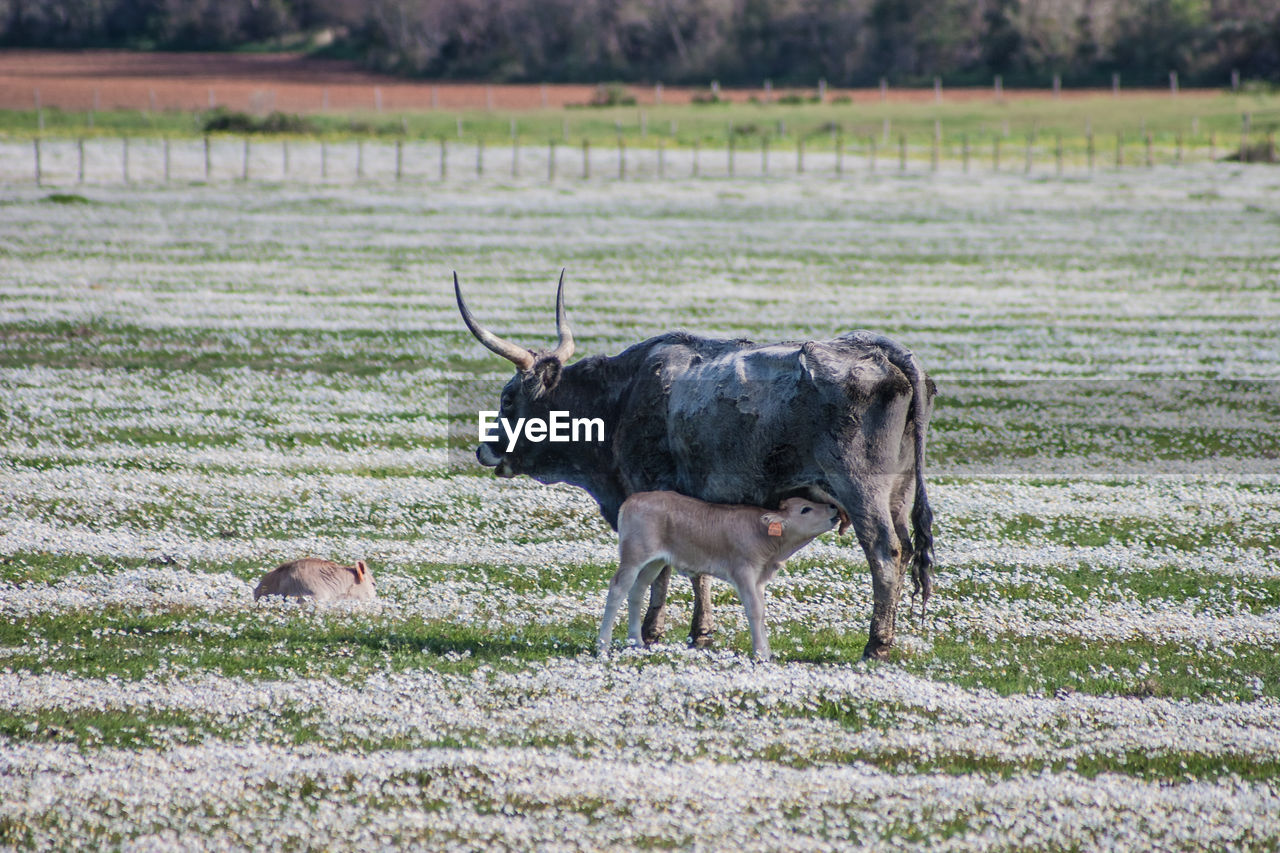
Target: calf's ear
361 571
773 523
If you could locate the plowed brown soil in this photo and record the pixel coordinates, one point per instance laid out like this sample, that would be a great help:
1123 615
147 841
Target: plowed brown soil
296 83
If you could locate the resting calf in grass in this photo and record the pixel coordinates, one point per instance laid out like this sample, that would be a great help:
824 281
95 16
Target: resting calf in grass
744 545
323 580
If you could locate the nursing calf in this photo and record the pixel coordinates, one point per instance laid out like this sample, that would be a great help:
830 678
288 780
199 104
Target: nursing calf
743 545
322 580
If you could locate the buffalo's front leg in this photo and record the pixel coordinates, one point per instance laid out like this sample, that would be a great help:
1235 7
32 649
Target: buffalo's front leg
703 625
655 618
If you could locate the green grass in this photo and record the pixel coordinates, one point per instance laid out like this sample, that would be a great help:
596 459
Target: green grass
785 126
256 644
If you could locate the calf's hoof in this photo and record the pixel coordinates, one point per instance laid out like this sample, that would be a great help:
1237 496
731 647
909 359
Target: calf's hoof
701 641
876 650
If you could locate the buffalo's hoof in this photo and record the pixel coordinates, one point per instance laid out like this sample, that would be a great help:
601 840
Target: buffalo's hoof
702 641
877 651
655 625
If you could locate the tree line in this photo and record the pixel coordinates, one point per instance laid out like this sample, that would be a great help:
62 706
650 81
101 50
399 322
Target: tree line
737 42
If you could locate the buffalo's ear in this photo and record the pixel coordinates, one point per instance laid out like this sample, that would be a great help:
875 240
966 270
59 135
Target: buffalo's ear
362 571
544 376
773 523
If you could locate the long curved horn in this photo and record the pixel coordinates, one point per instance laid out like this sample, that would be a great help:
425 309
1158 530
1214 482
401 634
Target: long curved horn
517 355
564 349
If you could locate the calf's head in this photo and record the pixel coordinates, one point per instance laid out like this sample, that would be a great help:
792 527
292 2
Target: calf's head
530 393
363 586
798 520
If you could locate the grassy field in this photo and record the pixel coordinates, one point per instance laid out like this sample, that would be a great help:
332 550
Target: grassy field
199 382
1193 115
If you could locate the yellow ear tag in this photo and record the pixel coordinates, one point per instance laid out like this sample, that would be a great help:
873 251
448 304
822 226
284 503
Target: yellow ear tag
775 528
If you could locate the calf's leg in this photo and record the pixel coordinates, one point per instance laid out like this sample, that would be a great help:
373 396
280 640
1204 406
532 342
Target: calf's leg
752 596
635 601
703 625
621 585
655 620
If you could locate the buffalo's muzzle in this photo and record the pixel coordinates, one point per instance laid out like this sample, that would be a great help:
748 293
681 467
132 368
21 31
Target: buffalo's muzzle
486 456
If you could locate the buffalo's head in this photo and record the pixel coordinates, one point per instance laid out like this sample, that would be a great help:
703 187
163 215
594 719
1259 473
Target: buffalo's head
528 394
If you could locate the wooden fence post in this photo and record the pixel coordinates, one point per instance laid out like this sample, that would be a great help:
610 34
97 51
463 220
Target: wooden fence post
902 152
360 159
324 159
840 152
399 159
551 160
444 158
80 161
515 153
800 156
36 161
284 157
244 162
1177 154
207 159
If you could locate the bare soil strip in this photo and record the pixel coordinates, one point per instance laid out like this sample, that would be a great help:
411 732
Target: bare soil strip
297 83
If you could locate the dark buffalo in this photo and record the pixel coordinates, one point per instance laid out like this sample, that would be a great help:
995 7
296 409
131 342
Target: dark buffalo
731 421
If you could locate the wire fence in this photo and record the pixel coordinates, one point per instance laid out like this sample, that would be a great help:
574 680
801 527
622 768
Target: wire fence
105 160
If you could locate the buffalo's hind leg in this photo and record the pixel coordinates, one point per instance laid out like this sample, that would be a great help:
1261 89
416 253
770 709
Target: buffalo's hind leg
874 526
